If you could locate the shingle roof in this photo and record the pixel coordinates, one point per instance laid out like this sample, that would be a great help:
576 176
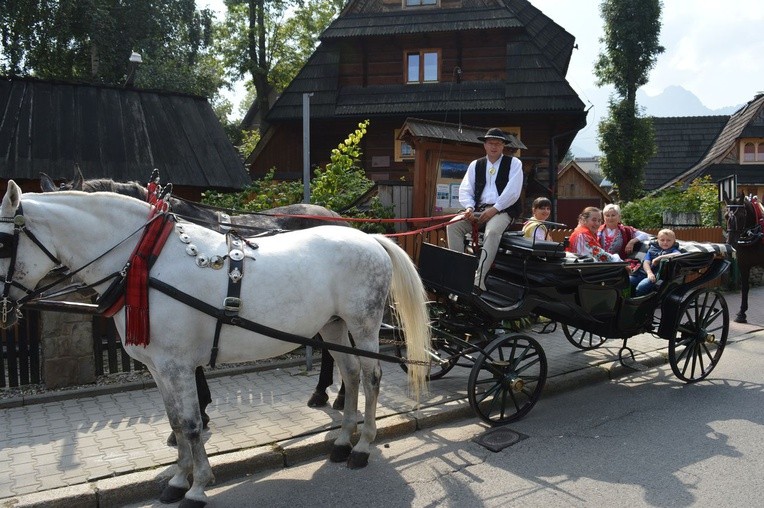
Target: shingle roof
749 118
430 129
537 58
113 132
680 142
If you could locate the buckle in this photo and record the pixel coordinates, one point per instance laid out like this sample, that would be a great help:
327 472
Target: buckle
231 304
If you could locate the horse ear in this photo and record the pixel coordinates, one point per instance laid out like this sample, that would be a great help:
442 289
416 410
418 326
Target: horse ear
46 183
11 199
79 180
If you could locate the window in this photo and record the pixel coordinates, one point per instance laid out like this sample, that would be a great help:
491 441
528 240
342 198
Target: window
752 151
403 151
419 3
422 66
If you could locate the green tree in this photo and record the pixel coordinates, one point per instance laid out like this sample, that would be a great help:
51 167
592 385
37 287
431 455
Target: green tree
631 40
700 196
268 41
91 40
337 186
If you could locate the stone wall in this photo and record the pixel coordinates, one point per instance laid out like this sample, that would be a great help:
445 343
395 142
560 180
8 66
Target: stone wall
67 348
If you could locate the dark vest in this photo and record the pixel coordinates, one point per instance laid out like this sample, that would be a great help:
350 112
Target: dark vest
502 178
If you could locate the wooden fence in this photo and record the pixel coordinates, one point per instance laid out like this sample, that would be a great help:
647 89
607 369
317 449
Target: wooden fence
20 352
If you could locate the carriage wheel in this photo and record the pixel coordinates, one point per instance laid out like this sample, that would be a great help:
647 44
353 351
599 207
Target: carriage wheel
507 379
582 339
442 355
701 335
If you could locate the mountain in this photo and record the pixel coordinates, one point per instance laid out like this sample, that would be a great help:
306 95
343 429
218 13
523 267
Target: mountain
673 101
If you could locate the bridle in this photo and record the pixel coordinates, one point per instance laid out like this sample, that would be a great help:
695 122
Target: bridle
9 244
737 225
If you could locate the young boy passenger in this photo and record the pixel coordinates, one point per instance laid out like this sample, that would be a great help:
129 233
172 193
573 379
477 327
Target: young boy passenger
645 279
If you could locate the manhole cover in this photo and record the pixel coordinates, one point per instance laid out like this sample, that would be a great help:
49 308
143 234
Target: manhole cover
499 438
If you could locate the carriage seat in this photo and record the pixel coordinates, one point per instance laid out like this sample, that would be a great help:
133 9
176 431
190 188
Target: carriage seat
515 242
722 250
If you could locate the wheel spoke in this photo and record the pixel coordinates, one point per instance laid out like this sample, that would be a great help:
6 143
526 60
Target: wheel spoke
700 336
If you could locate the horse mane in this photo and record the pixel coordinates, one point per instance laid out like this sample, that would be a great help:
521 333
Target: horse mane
132 189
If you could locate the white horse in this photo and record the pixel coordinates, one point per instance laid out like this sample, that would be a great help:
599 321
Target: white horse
330 280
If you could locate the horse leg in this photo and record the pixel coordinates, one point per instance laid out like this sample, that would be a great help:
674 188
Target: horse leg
325 379
745 272
178 387
336 332
371 376
205 398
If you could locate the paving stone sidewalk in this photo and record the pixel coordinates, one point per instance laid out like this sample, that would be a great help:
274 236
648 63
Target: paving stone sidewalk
108 449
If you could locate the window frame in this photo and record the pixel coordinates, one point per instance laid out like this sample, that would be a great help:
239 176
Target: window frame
399 155
421 53
758 151
418 4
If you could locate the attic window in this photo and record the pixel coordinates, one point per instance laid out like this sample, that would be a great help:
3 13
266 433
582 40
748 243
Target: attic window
752 152
422 66
419 3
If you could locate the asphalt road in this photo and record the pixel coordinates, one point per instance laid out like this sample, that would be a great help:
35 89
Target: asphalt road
645 439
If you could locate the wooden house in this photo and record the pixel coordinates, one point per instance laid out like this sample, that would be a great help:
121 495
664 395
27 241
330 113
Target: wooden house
575 191
484 63
113 132
718 146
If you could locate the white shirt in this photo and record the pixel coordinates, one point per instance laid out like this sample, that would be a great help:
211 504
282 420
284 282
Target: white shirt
490 193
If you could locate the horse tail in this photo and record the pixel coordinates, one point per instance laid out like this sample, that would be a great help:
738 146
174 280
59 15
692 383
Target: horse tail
410 301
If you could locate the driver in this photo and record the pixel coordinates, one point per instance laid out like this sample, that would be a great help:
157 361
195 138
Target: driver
492 185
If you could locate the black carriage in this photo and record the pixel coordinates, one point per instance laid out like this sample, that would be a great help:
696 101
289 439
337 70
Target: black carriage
590 300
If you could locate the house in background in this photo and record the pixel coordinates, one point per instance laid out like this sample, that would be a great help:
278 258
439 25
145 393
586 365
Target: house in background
483 63
718 146
113 132
575 191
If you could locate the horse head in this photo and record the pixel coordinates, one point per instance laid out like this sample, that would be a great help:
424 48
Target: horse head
742 227
24 259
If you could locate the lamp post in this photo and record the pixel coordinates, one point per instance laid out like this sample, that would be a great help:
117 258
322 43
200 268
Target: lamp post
132 67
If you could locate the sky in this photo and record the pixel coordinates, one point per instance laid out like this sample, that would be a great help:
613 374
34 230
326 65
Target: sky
714 50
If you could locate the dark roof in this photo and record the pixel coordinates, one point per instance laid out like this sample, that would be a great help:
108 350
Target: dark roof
680 142
538 54
443 131
113 132
749 118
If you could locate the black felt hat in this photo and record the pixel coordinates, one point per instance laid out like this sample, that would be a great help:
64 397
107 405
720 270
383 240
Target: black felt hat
495 133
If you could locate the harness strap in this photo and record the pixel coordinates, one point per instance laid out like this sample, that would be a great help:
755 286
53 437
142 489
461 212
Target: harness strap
232 302
251 326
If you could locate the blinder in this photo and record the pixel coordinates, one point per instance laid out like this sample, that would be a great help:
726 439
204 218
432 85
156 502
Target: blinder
7 245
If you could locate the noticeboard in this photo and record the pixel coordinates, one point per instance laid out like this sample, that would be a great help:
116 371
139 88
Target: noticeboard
450 175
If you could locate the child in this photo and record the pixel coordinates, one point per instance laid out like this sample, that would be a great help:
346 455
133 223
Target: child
534 227
644 279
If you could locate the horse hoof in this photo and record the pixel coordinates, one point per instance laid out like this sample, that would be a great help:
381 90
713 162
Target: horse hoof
340 453
192 503
358 460
339 402
172 440
740 319
172 494
318 399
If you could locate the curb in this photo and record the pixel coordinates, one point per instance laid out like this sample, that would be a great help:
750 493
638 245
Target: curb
145 485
